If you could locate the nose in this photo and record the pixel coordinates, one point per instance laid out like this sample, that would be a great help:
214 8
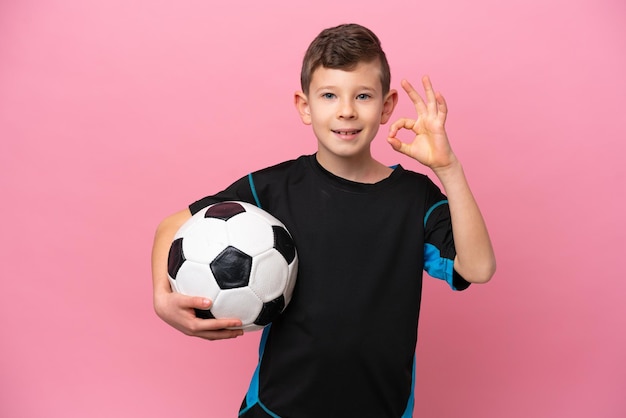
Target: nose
346 110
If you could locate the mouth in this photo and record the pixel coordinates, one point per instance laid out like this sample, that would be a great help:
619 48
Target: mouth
346 132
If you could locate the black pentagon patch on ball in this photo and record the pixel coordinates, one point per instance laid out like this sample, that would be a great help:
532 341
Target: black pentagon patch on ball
224 210
231 268
270 311
176 258
204 314
283 243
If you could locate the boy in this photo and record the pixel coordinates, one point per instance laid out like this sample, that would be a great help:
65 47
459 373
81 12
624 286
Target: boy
364 232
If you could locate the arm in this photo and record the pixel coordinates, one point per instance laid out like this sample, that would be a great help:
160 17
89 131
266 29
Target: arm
177 309
475 260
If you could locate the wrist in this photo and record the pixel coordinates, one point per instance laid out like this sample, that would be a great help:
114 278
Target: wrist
452 169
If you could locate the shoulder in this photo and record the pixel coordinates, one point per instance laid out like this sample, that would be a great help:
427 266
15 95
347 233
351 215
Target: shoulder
286 169
417 188
284 166
413 178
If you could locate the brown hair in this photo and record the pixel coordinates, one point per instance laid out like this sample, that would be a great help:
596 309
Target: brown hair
344 47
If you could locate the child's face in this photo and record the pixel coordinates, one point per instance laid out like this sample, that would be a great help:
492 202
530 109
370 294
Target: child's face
346 108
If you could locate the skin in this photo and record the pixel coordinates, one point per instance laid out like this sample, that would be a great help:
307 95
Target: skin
345 110
475 259
177 309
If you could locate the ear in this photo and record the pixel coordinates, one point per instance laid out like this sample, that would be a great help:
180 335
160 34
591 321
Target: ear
302 105
389 104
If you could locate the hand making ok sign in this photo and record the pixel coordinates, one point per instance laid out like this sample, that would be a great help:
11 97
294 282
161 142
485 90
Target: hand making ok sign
430 145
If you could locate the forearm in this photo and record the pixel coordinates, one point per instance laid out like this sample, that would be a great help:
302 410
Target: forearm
177 309
475 259
160 249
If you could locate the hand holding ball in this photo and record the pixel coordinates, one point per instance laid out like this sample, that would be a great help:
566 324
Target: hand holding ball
240 257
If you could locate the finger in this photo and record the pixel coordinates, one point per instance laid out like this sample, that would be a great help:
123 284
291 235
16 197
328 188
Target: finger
221 324
398 145
207 327
413 95
395 143
188 302
199 302
220 329
221 334
431 99
402 123
442 106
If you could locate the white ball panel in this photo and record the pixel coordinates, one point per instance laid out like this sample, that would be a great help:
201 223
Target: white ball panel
291 280
240 303
269 275
195 279
190 223
205 240
250 234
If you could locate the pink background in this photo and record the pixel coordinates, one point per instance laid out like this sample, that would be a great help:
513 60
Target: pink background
114 114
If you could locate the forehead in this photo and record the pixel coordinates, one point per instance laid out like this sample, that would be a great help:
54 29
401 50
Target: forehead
364 74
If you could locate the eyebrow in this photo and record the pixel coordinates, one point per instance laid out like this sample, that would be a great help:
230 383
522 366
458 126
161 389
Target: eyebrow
359 88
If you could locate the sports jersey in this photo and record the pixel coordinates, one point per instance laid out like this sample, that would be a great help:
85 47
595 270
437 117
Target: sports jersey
345 345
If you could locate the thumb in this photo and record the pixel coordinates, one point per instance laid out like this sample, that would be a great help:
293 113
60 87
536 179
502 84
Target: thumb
397 145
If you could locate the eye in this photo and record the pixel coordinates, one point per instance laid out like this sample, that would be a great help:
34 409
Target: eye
328 96
363 96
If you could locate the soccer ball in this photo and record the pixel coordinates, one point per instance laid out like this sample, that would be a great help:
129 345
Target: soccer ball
240 257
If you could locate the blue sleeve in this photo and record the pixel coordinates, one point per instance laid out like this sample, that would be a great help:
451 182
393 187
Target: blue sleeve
439 250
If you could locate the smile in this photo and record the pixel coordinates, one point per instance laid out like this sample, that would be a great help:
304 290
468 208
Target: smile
353 132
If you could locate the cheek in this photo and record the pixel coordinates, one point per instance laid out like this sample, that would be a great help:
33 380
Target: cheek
374 116
320 116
